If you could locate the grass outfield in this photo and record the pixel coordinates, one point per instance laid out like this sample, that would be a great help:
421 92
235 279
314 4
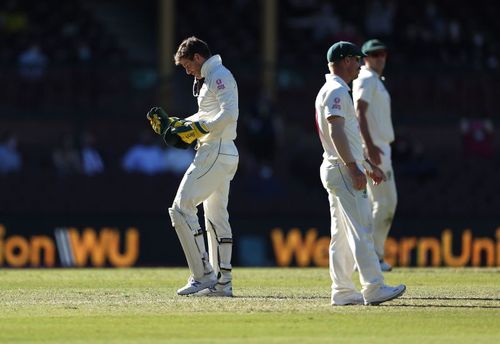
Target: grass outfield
270 306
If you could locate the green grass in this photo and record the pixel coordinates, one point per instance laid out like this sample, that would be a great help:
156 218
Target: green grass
270 306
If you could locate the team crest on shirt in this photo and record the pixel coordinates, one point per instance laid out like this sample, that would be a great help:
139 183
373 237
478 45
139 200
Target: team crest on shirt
336 104
220 84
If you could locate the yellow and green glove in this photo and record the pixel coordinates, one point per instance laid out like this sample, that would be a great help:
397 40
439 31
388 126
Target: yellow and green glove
190 131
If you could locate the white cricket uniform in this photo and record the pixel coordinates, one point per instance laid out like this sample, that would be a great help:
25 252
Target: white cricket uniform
351 243
208 177
369 88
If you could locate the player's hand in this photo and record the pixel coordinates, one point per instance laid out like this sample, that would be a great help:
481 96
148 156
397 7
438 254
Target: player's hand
190 131
377 175
374 154
159 120
173 140
357 176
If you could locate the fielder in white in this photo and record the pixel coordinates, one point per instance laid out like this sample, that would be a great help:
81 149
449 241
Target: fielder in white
343 174
208 178
373 108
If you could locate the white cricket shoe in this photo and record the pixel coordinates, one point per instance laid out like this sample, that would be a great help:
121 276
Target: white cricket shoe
194 286
383 294
219 289
341 299
385 267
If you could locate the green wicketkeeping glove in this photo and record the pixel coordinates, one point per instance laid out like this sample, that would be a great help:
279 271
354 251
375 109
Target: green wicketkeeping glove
159 120
190 131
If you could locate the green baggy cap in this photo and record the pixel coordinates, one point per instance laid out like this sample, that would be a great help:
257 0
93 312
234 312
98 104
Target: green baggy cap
372 45
343 49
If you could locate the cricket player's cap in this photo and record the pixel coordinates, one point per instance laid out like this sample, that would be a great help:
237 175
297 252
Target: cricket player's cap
372 45
343 49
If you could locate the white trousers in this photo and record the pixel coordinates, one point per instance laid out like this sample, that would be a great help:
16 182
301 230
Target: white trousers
383 199
351 240
207 181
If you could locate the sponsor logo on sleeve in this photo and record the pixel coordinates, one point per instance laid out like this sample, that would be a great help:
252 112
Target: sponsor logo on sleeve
220 84
336 104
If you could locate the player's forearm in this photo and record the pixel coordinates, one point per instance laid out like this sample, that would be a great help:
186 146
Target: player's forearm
193 118
361 113
363 127
341 143
365 133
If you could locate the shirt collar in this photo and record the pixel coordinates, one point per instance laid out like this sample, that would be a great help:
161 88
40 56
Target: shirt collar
333 77
210 64
365 67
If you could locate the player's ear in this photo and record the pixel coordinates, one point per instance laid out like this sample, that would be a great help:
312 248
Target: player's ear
198 58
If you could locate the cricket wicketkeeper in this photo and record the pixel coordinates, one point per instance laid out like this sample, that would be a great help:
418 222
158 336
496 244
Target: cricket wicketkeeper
208 178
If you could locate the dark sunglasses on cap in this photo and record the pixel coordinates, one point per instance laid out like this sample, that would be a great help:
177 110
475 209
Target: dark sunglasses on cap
380 53
358 58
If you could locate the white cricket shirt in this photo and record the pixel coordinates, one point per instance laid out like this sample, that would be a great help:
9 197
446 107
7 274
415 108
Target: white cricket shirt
334 100
217 101
371 89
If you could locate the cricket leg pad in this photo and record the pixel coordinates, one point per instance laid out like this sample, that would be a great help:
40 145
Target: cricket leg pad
195 256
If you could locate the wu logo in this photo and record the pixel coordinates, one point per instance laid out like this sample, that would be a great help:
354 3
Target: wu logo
77 249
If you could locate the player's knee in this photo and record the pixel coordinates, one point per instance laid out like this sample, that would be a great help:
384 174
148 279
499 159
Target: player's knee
184 203
394 202
389 205
392 199
181 222
178 205
183 207
385 205
175 215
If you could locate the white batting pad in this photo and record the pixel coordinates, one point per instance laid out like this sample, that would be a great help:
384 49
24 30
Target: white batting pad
194 256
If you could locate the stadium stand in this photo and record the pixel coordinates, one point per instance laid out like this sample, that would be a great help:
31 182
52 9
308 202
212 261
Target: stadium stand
443 66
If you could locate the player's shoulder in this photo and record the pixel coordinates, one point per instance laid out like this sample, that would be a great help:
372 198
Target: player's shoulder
221 75
365 78
366 74
220 71
336 94
338 90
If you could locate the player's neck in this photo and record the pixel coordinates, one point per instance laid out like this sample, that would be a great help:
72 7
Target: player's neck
379 71
343 75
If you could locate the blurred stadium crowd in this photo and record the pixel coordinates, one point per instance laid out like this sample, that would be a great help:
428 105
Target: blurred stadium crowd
74 91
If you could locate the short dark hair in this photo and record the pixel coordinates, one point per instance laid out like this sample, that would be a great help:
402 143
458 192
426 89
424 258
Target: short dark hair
190 46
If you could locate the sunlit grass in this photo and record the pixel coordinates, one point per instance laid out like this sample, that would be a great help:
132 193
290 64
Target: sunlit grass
270 306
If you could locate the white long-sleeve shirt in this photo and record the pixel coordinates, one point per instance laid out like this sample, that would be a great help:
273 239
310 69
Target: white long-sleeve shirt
217 101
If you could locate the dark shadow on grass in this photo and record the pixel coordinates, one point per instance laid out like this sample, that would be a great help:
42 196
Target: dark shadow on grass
429 305
439 306
319 297
446 298
282 297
